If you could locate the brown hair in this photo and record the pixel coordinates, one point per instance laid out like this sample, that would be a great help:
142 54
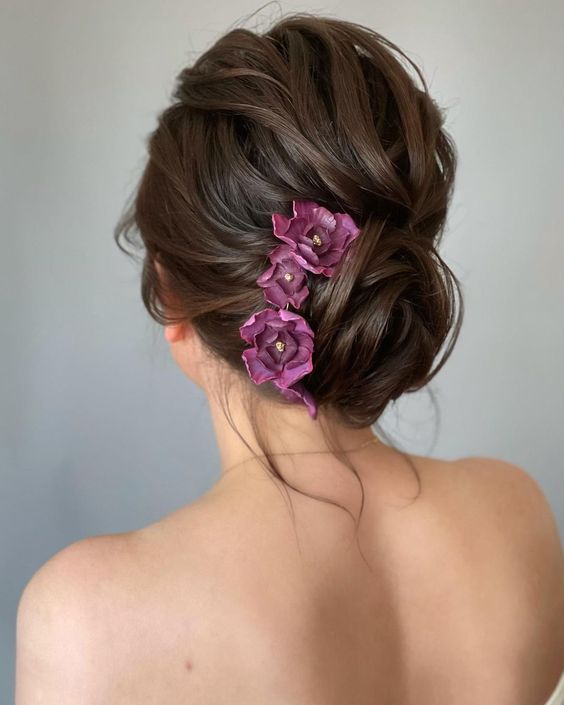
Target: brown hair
321 109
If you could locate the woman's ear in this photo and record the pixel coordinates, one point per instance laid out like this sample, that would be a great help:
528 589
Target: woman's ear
184 343
175 332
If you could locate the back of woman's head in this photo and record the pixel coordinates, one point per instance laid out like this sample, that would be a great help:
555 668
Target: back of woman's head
320 109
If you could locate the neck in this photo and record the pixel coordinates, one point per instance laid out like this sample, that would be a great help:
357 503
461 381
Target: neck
285 428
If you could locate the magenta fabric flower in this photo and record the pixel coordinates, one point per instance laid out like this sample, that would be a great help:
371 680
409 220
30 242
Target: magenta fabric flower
282 347
314 240
285 281
298 393
317 237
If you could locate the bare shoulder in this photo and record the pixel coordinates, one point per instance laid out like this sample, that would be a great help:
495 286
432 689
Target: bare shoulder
487 483
64 616
82 570
505 500
516 496
515 527
505 541
524 518
506 522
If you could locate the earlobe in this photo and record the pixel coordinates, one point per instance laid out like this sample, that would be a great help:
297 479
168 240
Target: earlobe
174 332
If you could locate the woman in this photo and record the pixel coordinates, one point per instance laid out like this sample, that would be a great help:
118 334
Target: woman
290 213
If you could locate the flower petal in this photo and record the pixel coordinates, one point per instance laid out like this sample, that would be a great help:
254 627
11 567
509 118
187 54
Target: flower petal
302 353
307 259
324 218
347 227
298 393
276 295
297 319
253 325
299 296
289 231
290 375
301 326
258 372
281 254
270 358
304 208
280 224
265 337
344 221
266 276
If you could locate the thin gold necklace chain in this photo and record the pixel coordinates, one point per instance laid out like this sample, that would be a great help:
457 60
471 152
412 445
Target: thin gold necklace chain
303 452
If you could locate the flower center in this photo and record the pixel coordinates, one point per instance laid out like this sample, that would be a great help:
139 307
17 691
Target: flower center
288 276
280 345
316 240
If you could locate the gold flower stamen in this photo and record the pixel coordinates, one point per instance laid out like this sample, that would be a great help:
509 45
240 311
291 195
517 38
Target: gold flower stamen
280 345
288 276
316 240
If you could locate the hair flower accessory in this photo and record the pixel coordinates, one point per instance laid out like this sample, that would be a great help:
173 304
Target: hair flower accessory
315 240
285 281
318 238
282 347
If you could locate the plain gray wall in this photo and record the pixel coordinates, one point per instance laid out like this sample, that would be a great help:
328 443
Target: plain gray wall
99 432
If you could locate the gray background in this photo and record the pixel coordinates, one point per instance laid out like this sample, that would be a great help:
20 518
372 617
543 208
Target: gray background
99 432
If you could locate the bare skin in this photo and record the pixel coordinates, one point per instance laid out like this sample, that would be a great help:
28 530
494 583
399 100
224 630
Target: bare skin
453 592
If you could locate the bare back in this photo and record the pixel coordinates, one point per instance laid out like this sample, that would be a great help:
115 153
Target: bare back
452 597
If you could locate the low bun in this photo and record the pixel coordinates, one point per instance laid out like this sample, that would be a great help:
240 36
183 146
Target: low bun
382 323
325 110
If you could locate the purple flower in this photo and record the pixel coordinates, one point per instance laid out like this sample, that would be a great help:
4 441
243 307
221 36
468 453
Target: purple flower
282 347
317 237
284 281
298 393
